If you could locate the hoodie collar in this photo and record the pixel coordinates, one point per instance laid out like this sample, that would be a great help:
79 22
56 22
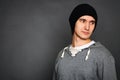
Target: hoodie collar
79 48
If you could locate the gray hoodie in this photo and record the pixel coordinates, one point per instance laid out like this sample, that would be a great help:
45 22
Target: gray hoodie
92 63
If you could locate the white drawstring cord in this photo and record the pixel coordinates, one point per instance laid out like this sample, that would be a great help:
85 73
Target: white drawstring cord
63 52
86 58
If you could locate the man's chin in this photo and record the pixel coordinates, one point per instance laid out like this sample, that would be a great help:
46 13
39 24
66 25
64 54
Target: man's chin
85 38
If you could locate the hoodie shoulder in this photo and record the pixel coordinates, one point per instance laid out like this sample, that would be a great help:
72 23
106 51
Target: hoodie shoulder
100 50
61 53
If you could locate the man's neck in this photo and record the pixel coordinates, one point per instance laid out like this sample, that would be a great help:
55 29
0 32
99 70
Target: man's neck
79 42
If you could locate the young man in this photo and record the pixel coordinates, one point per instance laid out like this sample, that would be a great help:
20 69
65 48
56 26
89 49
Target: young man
84 59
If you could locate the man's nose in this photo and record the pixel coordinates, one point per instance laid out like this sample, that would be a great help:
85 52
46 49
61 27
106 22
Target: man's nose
87 26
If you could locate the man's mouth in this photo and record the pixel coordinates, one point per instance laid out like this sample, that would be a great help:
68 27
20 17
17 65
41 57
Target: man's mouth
86 33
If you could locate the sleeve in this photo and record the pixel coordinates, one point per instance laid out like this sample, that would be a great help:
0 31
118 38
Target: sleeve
54 76
54 72
109 70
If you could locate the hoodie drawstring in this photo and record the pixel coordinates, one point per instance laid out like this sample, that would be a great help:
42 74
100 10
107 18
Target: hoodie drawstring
63 52
86 58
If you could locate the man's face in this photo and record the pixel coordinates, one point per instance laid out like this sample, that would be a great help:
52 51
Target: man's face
84 27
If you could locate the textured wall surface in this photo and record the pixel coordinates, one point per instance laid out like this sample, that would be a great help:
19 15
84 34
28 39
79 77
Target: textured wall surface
32 32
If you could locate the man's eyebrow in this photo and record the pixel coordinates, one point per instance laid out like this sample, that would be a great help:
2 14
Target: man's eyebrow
82 19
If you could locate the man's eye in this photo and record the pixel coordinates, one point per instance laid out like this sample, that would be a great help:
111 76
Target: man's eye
82 20
92 22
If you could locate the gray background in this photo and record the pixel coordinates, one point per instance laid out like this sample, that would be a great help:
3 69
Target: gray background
32 32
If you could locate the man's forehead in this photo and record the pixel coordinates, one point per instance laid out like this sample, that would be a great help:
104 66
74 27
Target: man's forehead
87 17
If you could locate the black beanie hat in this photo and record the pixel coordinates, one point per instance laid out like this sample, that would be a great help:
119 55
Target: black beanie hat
80 10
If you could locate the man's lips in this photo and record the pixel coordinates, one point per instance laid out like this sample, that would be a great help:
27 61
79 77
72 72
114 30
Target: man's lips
84 32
